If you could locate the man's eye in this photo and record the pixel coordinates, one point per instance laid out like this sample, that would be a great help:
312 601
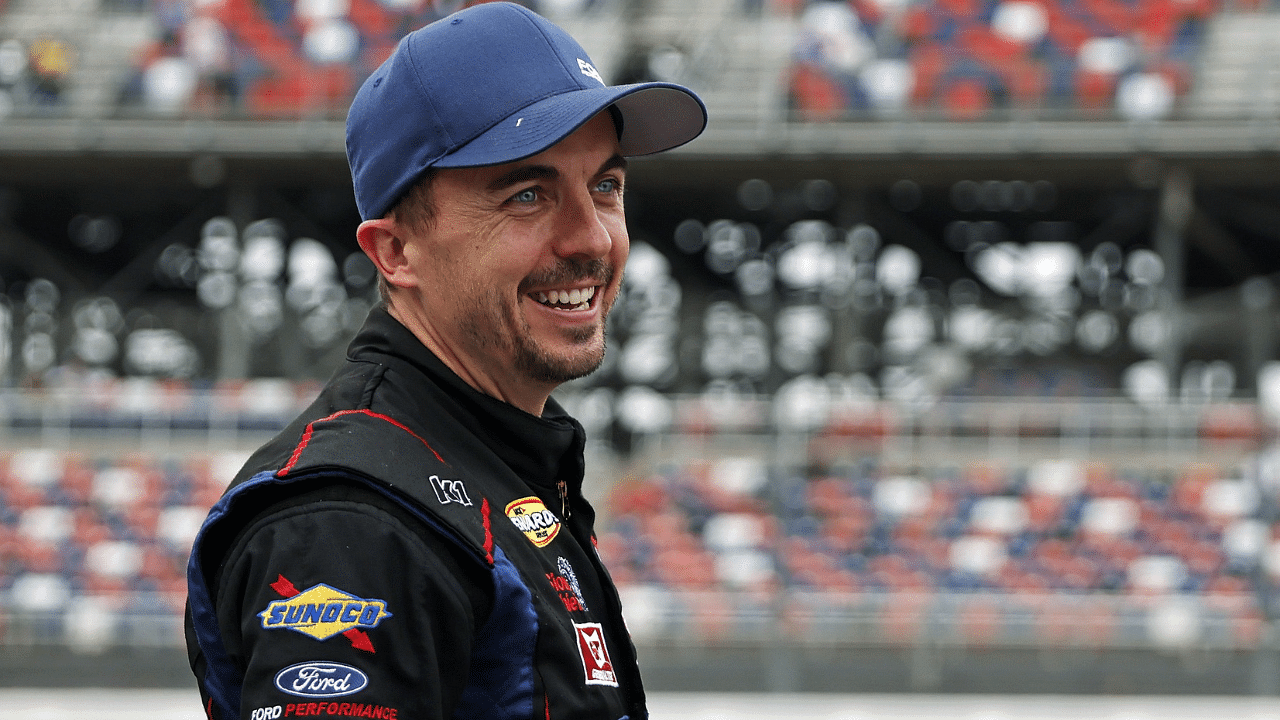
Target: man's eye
525 196
608 186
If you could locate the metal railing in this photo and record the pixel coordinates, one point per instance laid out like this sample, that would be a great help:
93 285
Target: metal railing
968 620
801 618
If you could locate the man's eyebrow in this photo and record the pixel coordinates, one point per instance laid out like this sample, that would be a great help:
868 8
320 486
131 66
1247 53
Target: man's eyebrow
616 162
523 174
546 172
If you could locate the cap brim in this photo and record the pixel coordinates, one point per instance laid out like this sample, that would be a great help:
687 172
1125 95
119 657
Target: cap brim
655 117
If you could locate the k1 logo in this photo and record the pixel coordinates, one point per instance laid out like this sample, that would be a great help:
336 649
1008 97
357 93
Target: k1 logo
450 491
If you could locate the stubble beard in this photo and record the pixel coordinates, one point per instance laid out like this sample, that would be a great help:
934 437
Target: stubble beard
498 327
538 364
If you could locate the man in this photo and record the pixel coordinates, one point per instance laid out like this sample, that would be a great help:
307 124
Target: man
415 544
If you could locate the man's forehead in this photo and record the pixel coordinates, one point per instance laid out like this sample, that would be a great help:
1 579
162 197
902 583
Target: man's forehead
574 155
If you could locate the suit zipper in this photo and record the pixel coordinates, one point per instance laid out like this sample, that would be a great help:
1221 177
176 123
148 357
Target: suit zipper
563 488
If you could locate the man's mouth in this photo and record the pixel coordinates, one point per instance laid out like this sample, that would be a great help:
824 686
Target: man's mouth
575 299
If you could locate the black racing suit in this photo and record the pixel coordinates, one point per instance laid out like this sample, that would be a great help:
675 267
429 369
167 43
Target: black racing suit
409 548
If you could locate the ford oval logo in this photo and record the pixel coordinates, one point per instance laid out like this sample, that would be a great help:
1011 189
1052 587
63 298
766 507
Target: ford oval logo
321 680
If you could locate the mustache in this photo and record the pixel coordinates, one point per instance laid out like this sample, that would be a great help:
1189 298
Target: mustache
569 271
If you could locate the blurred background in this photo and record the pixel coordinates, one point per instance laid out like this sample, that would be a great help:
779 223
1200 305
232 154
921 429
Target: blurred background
947 359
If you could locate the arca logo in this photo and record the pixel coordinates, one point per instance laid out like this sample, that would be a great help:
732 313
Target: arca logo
322 612
533 519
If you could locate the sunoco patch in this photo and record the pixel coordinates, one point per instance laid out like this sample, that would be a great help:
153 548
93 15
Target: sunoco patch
322 612
533 519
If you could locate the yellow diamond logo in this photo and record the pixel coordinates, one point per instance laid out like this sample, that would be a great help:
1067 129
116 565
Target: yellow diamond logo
322 612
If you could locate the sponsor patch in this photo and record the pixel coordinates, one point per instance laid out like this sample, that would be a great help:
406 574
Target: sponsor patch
266 713
336 709
322 612
450 491
321 680
533 519
566 584
595 655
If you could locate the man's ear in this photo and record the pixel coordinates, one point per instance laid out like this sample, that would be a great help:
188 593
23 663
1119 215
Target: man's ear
382 240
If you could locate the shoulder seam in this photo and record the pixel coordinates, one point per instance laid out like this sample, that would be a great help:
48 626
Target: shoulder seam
371 385
310 429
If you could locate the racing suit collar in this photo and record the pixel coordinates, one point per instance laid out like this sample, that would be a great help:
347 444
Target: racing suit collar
541 450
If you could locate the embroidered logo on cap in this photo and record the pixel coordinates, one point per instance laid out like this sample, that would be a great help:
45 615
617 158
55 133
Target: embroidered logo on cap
322 612
533 519
595 656
590 71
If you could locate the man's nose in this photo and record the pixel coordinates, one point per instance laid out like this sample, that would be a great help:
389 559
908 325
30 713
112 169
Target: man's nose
582 231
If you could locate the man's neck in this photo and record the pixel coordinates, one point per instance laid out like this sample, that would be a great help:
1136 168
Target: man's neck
515 391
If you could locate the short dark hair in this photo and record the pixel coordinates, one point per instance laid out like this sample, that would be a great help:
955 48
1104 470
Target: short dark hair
414 209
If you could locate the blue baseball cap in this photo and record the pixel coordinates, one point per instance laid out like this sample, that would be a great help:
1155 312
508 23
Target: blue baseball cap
493 84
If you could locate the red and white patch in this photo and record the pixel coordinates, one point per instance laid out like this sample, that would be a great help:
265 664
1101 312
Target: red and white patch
595 655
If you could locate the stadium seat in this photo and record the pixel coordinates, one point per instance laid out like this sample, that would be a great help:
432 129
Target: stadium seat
815 95
966 99
40 592
971 60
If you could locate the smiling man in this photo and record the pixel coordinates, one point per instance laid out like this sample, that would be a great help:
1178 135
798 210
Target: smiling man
416 544
509 280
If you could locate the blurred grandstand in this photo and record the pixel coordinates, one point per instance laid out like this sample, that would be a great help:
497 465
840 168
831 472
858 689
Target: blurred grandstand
946 360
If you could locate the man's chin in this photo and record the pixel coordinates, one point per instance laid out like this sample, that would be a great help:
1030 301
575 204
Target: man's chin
547 367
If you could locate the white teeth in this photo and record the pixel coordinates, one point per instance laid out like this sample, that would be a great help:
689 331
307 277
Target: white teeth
579 299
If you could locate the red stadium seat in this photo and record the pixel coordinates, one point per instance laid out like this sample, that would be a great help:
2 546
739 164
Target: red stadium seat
1026 81
928 64
245 22
1066 30
1094 91
371 18
1156 24
988 48
919 23
959 9
37 556
816 96
1114 17
642 496
1044 512
301 89
689 569
90 527
967 99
